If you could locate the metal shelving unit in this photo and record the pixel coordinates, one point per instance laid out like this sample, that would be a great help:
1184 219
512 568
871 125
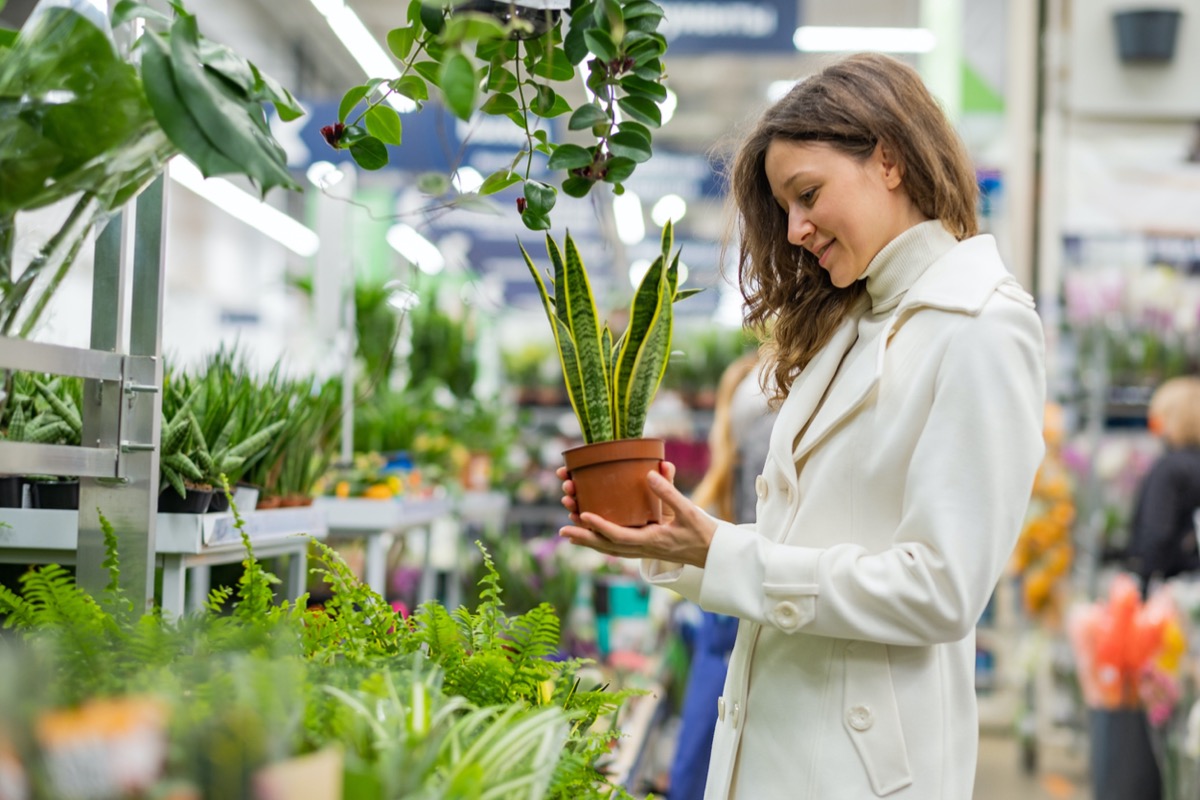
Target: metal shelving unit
122 412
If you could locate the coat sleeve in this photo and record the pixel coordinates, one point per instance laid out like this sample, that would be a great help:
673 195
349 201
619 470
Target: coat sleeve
965 496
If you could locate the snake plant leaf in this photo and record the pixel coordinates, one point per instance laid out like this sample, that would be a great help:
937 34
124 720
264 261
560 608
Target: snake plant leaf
642 311
564 344
650 362
584 322
560 280
174 479
684 294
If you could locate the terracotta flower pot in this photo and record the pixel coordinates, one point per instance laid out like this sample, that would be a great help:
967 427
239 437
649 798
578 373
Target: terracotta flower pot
610 480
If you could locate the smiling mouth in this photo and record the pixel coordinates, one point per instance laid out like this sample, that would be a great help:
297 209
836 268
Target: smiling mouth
824 250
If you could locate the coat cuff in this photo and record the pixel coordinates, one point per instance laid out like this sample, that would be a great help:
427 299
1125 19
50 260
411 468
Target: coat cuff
751 577
682 578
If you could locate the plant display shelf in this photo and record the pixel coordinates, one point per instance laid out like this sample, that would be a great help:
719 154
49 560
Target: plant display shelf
379 522
184 544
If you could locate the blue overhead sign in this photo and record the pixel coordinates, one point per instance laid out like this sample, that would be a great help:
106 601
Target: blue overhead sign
736 26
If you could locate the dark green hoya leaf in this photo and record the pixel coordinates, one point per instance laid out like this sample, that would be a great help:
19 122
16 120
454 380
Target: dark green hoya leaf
498 181
500 104
601 44
642 109
629 145
474 27
543 102
640 86
411 86
574 45
369 153
400 41
535 222
586 116
383 122
429 70
431 17
570 156
576 186
459 84
618 168
350 99
500 79
555 66
539 197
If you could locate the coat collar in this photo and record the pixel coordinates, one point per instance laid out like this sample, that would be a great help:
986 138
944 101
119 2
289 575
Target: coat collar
960 281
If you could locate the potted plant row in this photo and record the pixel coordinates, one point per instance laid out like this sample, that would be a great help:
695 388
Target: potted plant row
42 409
611 380
246 697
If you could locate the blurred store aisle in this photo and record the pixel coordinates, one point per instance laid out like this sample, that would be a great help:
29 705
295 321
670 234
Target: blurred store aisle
1062 776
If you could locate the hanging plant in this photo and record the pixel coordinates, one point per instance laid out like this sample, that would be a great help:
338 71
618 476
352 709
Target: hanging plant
506 62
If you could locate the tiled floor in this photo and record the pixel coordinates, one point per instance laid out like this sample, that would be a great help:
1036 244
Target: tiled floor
1061 773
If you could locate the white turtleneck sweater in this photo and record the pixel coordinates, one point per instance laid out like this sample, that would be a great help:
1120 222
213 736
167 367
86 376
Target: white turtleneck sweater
891 273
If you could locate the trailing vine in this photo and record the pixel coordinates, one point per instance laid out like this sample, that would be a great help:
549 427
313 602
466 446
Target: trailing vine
469 60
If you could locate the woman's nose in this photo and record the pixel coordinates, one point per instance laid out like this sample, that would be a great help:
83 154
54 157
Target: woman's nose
799 228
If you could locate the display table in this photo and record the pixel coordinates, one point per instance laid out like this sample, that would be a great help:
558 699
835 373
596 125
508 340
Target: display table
379 522
182 542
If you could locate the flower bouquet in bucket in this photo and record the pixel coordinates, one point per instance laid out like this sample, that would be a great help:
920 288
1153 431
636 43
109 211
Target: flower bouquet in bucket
611 381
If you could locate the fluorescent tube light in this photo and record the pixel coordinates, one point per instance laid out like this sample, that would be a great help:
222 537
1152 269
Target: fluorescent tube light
241 205
416 249
813 39
369 54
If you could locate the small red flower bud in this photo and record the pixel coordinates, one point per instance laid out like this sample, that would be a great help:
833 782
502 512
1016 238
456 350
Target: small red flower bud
333 133
520 205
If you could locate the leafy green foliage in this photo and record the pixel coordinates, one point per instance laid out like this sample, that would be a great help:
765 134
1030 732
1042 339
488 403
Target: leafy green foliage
610 383
518 57
449 705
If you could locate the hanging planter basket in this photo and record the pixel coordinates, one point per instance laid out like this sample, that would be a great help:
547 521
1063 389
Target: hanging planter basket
610 480
1147 36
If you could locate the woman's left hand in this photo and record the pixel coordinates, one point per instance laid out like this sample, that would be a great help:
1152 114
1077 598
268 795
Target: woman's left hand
683 536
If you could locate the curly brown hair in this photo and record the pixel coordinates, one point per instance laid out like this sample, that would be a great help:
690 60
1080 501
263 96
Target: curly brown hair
852 105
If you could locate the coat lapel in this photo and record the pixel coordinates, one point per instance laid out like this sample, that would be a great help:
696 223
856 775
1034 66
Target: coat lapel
853 386
806 394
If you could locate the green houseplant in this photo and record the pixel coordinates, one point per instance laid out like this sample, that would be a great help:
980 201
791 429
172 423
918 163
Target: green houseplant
611 381
505 59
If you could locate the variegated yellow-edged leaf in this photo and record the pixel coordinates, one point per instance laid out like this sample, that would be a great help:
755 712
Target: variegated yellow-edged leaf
584 322
650 364
564 345
642 311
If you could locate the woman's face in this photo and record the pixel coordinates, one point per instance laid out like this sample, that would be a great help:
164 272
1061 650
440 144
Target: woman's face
840 209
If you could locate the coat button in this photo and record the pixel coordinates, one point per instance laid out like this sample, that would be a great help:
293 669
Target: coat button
721 708
760 487
860 718
787 616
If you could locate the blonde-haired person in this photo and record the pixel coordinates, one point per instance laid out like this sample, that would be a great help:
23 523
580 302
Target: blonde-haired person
1162 539
909 368
737 445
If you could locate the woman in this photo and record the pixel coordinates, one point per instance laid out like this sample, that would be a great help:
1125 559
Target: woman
1162 542
909 366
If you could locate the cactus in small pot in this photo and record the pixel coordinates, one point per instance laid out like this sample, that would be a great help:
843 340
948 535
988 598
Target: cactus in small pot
611 380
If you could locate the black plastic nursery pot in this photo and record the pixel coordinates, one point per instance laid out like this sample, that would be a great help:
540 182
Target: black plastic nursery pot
194 502
10 491
1147 35
54 494
219 502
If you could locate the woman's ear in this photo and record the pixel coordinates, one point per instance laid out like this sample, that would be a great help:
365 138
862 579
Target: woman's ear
893 170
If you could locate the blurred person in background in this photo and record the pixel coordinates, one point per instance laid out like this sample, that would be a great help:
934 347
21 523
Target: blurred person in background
737 443
1162 537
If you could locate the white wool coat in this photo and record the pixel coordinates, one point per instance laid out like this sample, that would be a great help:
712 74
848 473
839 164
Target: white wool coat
879 538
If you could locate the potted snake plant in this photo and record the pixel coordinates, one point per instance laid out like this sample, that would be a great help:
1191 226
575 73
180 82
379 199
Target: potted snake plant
611 381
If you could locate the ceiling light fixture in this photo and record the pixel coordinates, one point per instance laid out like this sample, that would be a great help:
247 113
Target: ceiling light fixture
416 249
355 37
814 39
669 207
301 240
627 216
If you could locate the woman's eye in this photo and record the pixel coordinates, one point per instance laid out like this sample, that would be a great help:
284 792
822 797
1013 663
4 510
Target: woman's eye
807 196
